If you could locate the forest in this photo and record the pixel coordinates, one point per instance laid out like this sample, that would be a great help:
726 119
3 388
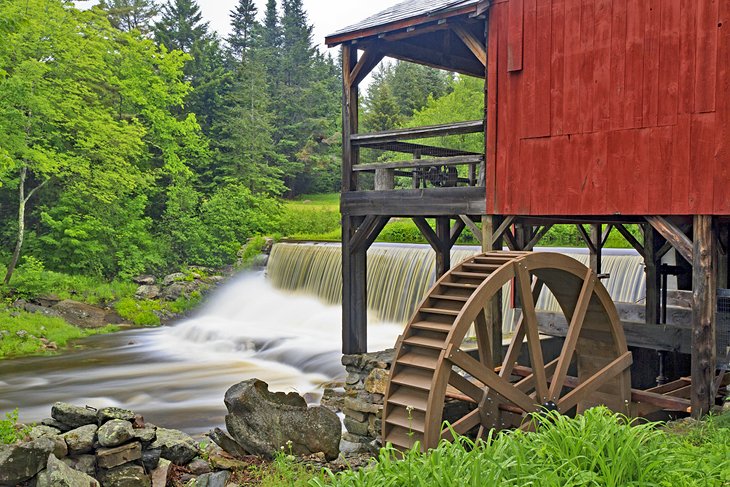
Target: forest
135 139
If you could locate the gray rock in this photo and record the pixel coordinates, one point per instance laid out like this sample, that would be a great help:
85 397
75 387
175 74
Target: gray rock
151 459
174 277
81 314
73 416
263 422
43 430
179 289
114 433
198 467
225 441
159 474
34 308
175 446
107 414
81 440
146 435
147 291
56 424
23 461
217 479
82 463
145 280
58 474
125 476
113 457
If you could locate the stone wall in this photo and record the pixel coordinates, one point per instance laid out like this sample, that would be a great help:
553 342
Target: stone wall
367 377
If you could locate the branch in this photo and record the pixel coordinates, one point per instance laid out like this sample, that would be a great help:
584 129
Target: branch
32 191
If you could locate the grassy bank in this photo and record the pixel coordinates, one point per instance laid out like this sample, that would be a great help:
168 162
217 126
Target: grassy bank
317 217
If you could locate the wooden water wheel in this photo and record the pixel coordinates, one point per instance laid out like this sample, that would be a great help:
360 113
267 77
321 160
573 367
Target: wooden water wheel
437 361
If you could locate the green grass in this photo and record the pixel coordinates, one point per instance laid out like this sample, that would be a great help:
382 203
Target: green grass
598 448
38 326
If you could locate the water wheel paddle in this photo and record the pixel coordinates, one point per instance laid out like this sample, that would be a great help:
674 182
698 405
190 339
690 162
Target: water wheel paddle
436 361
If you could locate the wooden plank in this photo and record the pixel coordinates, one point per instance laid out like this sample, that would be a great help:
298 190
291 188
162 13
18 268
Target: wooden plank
541 116
618 64
423 150
657 146
537 237
529 320
364 233
706 57
492 110
503 227
702 149
456 231
413 50
721 168
354 291
650 89
652 242
416 163
687 54
571 84
704 299
370 58
472 43
557 67
473 228
669 62
415 202
585 87
633 115
673 234
396 135
602 66
505 101
585 389
527 76
681 151
443 253
349 119
515 35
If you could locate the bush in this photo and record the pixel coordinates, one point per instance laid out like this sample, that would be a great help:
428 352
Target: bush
9 430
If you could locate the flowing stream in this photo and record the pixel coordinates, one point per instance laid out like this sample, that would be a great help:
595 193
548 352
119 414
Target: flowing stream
284 329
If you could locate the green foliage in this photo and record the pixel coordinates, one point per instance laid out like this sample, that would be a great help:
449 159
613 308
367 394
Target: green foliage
251 250
598 448
141 313
10 432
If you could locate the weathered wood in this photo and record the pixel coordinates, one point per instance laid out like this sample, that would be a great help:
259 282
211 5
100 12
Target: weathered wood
673 234
415 202
350 154
477 47
354 291
384 179
473 228
456 231
493 309
586 237
503 227
410 50
541 232
639 247
652 243
397 135
368 61
704 299
443 254
418 163
723 262
597 240
367 232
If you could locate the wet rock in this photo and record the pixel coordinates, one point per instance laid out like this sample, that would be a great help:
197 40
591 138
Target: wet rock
160 474
171 278
198 467
81 314
147 292
81 440
263 422
114 433
73 416
225 441
43 430
145 280
217 479
107 414
125 476
23 461
56 424
82 463
175 446
151 459
58 474
113 457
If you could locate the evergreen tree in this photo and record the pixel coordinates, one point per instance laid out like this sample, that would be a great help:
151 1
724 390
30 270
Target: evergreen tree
271 38
181 26
128 15
243 28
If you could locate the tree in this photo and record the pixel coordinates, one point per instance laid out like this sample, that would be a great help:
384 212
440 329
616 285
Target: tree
128 15
181 25
243 26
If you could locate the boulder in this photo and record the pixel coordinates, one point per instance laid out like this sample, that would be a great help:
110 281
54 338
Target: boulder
47 300
113 457
263 422
198 467
376 381
58 474
147 291
151 459
36 308
217 479
23 461
82 463
106 414
80 440
81 314
73 416
56 424
174 277
159 474
125 476
146 435
145 280
179 289
114 433
43 430
224 440
175 446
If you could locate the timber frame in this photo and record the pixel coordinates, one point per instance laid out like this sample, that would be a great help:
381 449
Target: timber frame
457 41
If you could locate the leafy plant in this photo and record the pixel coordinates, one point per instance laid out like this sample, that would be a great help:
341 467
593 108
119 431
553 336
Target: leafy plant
10 432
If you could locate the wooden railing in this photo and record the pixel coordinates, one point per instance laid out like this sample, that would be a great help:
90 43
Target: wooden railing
430 165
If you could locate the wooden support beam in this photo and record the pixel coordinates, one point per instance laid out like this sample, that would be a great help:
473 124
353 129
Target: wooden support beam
419 163
673 234
370 58
443 254
606 234
427 202
472 42
597 241
652 243
503 227
456 231
541 232
491 240
397 135
704 306
586 238
354 290
639 247
350 153
367 232
511 240
723 262
427 232
473 228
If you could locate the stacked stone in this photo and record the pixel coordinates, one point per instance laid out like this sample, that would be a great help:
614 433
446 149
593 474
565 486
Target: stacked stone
111 447
367 377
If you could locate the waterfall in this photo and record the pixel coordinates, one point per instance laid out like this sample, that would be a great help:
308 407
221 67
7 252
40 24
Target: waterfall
400 275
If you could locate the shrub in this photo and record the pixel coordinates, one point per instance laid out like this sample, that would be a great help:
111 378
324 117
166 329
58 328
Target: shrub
9 430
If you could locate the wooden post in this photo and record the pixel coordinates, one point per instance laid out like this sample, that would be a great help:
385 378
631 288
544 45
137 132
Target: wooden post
723 248
652 242
384 179
443 253
704 305
493 310
597 248
350 153
354 290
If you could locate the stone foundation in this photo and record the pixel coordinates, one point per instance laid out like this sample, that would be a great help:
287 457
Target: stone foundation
367 377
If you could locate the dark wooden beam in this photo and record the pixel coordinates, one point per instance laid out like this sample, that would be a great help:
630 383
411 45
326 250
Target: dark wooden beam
493 310
541 232
350 153
443 254
473 228
606 234
503 227
638 246
367 232
370 58
597 240
354 290
704 306
673 234
418 163
456 231
387 136
429 202
428 233
586 238
476 46
423 150
412 52
652 243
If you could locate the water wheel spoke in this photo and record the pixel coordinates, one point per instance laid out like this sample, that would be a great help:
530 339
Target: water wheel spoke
463 425
484 342
466 386
527 383
529 318
515 346
571 340
490 379
583 390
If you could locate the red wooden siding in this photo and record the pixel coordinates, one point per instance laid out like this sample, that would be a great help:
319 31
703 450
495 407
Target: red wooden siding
599 107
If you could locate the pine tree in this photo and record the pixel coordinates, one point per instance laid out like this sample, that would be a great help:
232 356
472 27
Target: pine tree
181 25
243 29
271 37
129 15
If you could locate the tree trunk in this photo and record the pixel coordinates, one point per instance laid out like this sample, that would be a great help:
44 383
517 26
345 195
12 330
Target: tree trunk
21 225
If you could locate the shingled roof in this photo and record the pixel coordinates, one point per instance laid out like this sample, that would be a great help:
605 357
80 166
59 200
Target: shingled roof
409 9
